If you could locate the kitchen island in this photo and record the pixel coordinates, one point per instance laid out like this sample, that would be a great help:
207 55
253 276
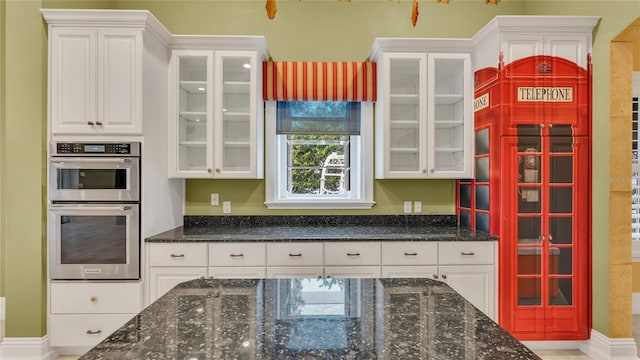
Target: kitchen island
272 319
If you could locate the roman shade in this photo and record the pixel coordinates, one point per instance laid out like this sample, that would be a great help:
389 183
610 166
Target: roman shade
319 81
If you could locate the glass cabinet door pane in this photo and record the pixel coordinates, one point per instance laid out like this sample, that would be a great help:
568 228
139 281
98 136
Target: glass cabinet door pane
404 114
449 114
236 113
560 291
529 291
192 113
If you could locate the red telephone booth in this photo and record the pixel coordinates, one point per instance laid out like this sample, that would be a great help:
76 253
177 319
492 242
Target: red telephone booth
532 189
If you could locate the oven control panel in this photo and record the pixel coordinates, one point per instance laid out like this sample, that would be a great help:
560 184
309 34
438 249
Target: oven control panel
96 149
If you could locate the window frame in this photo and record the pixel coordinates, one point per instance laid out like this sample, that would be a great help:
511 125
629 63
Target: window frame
361 161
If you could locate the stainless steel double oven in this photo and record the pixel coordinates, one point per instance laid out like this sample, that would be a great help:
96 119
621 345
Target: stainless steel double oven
94 211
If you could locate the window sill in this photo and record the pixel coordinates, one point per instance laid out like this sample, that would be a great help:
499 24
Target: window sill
319 204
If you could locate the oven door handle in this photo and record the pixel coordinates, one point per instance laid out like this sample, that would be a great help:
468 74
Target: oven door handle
89 160
92 208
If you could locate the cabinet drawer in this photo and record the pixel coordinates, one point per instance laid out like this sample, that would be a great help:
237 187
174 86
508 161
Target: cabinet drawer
294 254
178 254
237 254
352 253
92 298
408 253
83 330
228 272
462 252
430 272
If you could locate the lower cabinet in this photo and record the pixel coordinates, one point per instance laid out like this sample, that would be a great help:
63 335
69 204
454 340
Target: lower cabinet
468 267
84 313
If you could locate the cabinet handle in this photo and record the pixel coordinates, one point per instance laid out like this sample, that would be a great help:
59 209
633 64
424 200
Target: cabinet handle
411 254
236 255
99 123
209 170
541 125
217 170
94 332
435 276
432 170
177 255
444 276
295 255
93 299
90 123
550 125
467 253
424 171
353 254
328 276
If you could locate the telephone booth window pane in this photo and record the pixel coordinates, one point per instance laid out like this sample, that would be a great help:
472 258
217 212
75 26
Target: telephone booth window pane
465 196
560 261
465 218
561 230
561 130
529 200
528 130
482 169
561 169
560 291
529 229
529 291
482 142
561 200
529 168
482 197
529 261
482 222
529 144
561 144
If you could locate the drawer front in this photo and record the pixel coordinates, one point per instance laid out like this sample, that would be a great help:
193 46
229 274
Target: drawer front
408 253
178 254
430 272
83 330
238 254
293 272
344 272
295 254
92 298
463 253
352 253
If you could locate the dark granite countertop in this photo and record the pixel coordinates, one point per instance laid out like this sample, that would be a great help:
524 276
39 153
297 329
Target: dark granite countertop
295 319
320 228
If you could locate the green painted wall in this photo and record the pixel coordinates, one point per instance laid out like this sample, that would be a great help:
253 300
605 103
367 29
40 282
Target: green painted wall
307 30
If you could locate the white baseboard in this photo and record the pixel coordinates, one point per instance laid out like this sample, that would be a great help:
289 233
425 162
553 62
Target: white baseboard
31 348
598 347
635 303
601 347
2 306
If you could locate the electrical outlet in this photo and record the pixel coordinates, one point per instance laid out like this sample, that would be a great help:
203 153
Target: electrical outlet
417 206
407 207
226 207
215 199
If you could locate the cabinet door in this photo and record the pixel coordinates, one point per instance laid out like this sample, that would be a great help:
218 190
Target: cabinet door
474 283
342 272
236 115
191 132
401 142
518 45
119 91
450 125
164 279
72 87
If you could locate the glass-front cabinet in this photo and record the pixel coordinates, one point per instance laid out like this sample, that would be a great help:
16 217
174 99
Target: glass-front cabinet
216 127
424 115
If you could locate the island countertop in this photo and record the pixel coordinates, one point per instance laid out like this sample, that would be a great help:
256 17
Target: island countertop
267 319
320 228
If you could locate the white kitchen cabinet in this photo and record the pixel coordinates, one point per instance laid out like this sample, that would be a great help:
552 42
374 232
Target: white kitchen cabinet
84 313
423 113
95 80
295 260
474 282
173 263
411 259
216 114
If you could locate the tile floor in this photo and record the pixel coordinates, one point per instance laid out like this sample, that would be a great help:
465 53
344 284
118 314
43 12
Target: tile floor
544 354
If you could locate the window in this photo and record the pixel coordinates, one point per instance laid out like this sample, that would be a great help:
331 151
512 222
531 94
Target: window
319 154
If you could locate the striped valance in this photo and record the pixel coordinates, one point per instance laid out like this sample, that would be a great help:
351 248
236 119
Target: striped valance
319 81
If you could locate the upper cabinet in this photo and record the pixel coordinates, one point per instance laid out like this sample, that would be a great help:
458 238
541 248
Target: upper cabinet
423 114
216 115
96 70
96 81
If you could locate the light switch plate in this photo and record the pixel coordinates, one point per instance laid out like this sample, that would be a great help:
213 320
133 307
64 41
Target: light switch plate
417 206
407 207
226 207
215 199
